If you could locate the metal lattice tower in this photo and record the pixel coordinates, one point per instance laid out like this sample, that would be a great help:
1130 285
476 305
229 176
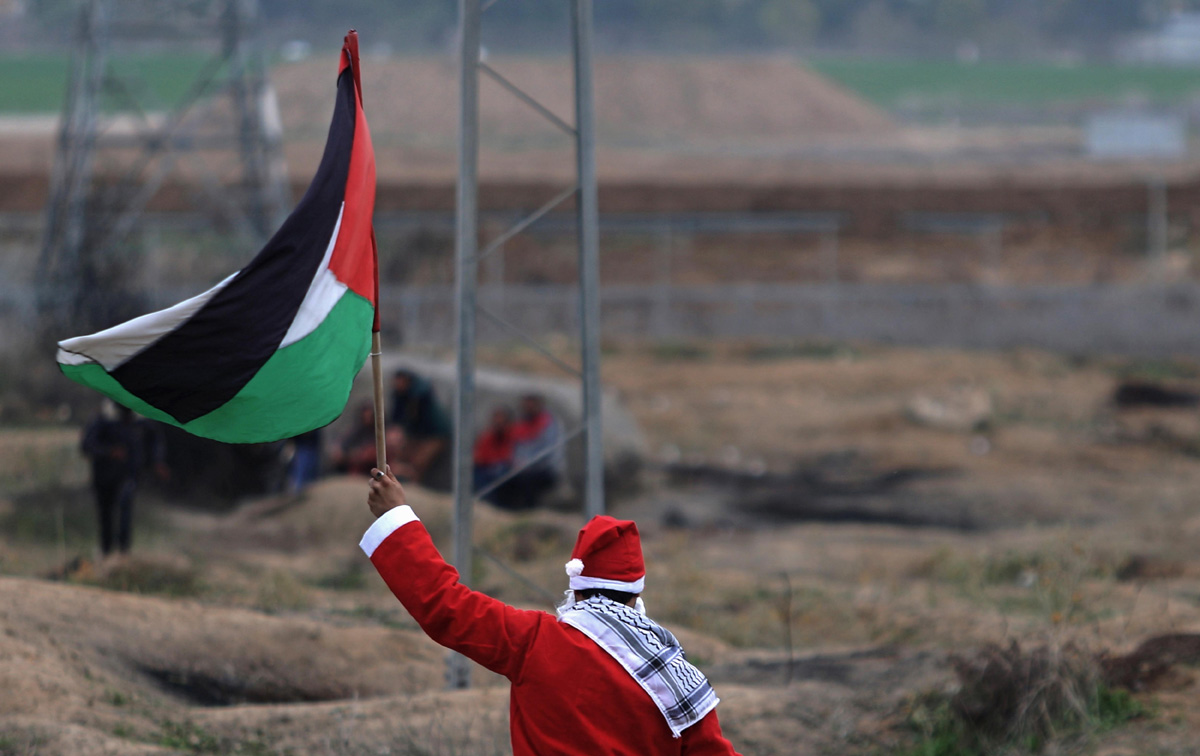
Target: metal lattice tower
469 256
119 145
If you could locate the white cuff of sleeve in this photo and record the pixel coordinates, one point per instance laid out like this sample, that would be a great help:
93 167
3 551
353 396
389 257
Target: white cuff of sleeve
389 522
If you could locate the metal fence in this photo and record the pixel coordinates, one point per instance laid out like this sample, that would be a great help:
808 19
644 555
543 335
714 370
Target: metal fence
1138 320
1125 319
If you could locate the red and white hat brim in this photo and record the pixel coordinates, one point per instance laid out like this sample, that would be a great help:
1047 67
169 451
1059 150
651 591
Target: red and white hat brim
583 582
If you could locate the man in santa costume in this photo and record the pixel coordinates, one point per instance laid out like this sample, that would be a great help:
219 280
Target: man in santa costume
600 678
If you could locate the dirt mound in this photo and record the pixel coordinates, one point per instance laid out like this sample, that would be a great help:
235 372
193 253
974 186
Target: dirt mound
332 514
84 670
639 101
61 641
727 98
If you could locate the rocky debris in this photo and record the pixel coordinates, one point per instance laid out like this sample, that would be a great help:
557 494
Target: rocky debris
962 410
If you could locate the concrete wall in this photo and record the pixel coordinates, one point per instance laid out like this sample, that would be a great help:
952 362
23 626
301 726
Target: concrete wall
1149 321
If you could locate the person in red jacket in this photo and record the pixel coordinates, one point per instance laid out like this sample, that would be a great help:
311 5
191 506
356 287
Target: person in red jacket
493 458
601 662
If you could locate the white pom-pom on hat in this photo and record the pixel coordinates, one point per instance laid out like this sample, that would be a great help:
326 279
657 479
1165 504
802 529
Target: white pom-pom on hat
575 568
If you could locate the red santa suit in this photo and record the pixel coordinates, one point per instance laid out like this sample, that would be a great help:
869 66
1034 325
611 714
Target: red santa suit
569 696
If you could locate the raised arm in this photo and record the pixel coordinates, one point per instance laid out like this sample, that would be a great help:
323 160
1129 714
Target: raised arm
478 626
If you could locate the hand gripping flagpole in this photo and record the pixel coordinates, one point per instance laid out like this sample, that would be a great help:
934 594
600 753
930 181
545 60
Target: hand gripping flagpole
351 48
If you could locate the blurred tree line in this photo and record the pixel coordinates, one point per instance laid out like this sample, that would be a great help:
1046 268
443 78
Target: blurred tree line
882 26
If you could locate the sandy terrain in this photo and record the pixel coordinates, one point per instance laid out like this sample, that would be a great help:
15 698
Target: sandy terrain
1007 498
640 99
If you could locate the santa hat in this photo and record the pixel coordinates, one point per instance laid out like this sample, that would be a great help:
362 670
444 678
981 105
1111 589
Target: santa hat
608 554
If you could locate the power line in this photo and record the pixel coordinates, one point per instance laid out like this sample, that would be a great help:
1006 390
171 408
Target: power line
119 145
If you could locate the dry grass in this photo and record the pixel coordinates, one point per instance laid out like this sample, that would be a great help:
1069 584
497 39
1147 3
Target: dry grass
860 617
1010 700
39 458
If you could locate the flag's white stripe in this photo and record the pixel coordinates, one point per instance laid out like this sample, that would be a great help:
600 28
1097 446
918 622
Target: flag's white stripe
113 346
323 293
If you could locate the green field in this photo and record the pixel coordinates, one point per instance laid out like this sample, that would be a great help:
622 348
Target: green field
893 83
37 84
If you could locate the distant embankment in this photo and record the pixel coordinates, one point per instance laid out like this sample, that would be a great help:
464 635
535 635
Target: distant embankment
1084 205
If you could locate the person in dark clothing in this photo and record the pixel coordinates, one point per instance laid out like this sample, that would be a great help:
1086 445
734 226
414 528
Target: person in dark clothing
305 465
423 425
119 445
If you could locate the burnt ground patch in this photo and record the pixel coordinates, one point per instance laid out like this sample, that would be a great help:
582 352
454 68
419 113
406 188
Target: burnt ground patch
839 488
1138 394
234 688
875 666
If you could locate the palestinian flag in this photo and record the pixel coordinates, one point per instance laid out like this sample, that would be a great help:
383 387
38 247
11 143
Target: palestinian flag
271 351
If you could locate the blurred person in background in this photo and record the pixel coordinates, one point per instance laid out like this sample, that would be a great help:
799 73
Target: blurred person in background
304 467
355 453
493 456
423 426
119 445
538 455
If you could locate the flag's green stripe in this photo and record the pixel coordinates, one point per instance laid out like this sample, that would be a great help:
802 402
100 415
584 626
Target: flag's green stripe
303 386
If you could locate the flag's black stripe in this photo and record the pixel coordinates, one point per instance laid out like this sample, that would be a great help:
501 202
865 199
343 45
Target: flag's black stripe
209 358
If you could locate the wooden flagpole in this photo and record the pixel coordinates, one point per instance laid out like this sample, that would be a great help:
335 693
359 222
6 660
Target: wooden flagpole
351 48
377 374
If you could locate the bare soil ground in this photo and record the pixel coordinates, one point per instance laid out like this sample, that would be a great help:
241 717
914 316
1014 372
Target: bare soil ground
758 120
643 105
1011 500
637 98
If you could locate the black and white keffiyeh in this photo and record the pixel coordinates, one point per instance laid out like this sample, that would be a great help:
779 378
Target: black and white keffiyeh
650 653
